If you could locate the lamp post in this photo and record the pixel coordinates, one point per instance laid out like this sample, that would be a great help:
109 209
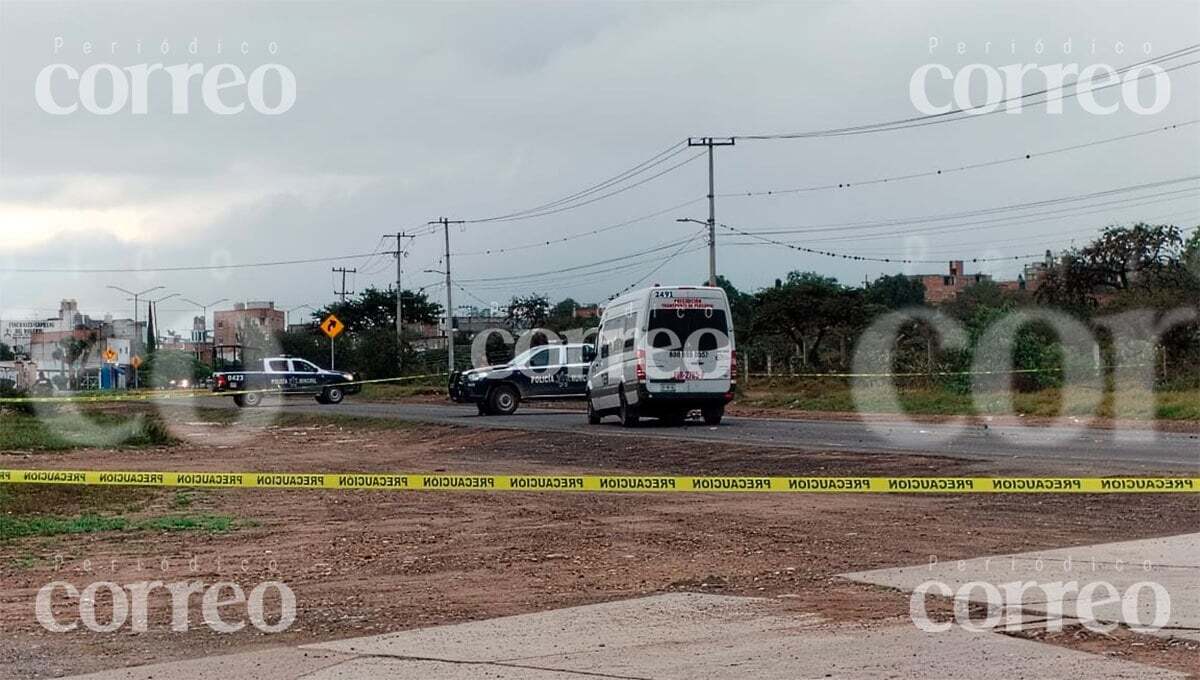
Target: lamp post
712 247
287 314
204 312
154 307
137 334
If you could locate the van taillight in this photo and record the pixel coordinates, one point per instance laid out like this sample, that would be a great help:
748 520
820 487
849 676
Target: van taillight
641 365
222 381
733 367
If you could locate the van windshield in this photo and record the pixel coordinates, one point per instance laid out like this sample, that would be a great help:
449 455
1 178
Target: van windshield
673 327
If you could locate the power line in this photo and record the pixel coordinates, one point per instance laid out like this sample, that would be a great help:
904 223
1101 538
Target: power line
844 226
576 268
865 258
946 171
957 113
594 199
656 268
593 232
660 157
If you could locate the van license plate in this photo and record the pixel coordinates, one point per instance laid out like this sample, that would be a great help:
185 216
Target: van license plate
668 387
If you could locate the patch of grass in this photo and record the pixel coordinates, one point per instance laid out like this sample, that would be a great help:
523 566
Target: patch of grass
264 417
824 395
435 387
33 499
84 429
183 499
21 527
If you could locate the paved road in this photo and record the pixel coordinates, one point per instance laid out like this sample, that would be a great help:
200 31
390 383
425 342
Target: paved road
1112 452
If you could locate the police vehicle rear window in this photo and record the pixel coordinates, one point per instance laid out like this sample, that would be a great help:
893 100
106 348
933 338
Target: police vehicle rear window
684 323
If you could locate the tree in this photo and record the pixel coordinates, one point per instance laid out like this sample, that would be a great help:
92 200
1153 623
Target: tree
72 351
529 311
896 291
151 333
807 308
376 309
1191 252
6 353
1122 259
169 364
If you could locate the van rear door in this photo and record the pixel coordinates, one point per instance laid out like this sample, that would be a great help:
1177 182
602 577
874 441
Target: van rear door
688 341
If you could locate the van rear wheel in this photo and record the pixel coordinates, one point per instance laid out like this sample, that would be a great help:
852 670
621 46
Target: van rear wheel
593 415
713 414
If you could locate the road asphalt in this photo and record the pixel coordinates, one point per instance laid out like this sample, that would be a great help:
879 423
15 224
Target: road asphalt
1099 451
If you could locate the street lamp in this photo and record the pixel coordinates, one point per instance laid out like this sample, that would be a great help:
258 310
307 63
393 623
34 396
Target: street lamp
154 307
712 246
204 312
137 334
287 314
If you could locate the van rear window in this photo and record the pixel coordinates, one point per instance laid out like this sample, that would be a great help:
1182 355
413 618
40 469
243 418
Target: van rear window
684 323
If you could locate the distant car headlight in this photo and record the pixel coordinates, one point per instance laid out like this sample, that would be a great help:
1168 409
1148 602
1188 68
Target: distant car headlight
348 376
474 377
184 384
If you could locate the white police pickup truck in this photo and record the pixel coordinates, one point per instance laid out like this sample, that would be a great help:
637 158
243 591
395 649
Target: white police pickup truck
285 376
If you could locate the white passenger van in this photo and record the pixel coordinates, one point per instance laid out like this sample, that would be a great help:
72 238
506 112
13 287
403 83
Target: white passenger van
663 352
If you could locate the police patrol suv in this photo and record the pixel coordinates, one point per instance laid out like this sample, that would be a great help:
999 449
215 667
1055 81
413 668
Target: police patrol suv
287 376
663 352
545 372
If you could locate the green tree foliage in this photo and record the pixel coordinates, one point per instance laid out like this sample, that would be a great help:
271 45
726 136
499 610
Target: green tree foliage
1138 258
6 353
376 309
896 291
166 365
807 309
530 311
151 332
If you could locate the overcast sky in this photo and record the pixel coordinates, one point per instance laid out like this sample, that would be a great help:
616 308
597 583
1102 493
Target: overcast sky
405 112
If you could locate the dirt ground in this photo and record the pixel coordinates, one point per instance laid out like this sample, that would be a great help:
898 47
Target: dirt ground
369 562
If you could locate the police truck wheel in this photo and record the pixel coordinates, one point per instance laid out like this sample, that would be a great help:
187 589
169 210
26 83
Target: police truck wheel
713 414
333 395
504 400
592 415
629 414
251 399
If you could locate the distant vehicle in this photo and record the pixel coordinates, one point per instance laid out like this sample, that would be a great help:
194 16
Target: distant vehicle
663 352
546 372
286 376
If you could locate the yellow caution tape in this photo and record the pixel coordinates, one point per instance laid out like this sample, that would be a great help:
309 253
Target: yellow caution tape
602 483
156 395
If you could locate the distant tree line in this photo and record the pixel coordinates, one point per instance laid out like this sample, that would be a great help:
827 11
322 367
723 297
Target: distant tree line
810 323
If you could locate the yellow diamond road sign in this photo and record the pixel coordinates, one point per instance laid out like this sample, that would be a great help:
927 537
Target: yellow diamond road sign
332 326
110 355
136 361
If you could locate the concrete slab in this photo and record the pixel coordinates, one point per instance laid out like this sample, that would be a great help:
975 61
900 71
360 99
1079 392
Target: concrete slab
272 664
685 636
1172 562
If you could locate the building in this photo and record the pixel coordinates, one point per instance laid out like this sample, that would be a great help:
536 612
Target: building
945 287
587 312
231 325
16 333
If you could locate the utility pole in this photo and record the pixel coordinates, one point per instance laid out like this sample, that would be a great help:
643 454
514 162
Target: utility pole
710 142
449 294
400 236
343 292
